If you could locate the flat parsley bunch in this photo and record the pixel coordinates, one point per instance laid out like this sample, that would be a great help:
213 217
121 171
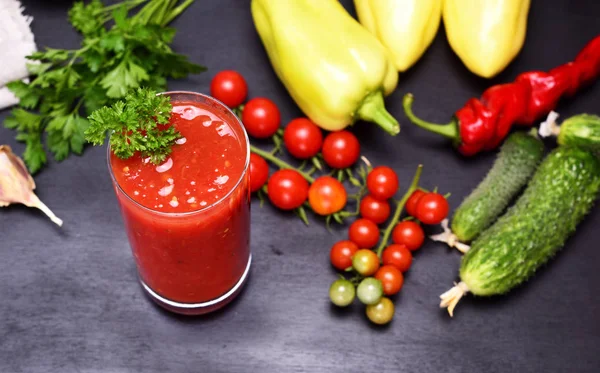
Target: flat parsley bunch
111 62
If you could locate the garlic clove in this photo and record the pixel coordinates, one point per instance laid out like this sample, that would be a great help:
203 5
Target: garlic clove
17 185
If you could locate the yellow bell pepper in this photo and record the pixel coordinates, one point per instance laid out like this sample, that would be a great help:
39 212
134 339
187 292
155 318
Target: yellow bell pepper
486 34
405 27
335 70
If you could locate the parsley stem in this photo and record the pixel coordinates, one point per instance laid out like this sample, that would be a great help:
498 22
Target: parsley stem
282 164
177 11
130 4
388 231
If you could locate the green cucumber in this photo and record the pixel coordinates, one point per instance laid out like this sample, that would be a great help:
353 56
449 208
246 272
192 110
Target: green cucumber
560 194
516 161
582 130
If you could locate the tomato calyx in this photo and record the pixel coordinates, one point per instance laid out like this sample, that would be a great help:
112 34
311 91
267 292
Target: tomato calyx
331 206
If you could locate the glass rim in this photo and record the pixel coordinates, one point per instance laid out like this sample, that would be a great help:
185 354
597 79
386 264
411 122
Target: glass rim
245 170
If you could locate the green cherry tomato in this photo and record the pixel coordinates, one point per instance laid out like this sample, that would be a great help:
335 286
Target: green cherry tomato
365 262
342 293
381 312
369 291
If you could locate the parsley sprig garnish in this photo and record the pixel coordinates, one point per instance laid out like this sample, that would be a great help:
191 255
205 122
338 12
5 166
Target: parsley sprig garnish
137 124
119 52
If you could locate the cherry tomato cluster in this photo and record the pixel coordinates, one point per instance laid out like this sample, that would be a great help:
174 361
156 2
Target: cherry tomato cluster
376 270
291 188
378 273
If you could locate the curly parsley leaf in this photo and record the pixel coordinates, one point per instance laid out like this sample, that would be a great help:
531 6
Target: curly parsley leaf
137 124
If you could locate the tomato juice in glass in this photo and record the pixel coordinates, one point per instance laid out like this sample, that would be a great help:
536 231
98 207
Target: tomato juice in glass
188 219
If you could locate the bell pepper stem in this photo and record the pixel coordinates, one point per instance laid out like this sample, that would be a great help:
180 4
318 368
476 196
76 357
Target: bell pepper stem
372 109
449 130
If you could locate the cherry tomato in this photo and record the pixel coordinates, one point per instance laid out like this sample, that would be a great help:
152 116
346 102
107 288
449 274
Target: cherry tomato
261 117
382 183
326 195
369 291
342 293
364 233
382 312
341 254
391 278
365 262
340 149
375 210
302 138
413 200
398 256
229 87
259 172
409 234
287 189
432 208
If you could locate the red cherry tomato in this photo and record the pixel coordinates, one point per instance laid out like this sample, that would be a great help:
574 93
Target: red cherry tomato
302 138
287 189
364 233
382 183
326 195
409 234
259 172
365 262
391 279
340 149
341 254
398 256
229 87
413 200
375 210
261 117
432 208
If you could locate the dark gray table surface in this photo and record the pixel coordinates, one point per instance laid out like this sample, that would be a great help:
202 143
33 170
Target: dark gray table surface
70 301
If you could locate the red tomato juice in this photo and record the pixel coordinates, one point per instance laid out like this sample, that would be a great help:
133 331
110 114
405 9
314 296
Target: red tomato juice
188 219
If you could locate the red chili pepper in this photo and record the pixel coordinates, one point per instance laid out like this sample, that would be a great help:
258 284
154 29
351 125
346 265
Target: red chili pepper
482 124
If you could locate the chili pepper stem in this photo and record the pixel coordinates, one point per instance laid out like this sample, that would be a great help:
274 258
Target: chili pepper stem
270 157
388 231
372 109
449 130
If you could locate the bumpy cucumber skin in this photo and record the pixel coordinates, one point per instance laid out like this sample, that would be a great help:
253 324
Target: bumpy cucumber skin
581 130
560 194
516 162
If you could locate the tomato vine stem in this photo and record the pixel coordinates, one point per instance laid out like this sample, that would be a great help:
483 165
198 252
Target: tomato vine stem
282 164
414 185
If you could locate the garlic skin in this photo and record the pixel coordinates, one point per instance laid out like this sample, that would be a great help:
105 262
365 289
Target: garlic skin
17 185
16 42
